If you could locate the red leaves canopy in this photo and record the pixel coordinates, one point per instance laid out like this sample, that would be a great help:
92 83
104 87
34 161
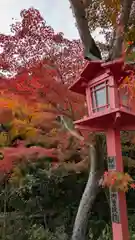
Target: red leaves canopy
40 84
41 64
32 41
40 61
12 156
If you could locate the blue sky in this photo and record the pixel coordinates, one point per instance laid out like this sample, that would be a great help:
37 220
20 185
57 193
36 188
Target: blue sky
56 13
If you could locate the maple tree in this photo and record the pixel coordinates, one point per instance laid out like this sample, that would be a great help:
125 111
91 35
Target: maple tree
48 60
32 123
19 123
37 69
33 41
51 99
41 78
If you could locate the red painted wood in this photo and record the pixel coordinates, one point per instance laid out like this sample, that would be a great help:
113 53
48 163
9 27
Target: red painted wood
120 230
88 128
96 68
89 101
107 119
91 71
100 79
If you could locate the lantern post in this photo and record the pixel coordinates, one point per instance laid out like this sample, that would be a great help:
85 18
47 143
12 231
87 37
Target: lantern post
110 111
117 199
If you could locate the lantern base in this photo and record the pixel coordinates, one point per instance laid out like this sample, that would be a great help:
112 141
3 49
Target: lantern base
119 118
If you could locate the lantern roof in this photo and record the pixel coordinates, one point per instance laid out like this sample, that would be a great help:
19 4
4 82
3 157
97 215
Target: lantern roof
94 68
90 71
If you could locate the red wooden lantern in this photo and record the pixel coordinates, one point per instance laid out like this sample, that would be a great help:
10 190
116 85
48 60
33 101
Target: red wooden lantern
108 104
110 110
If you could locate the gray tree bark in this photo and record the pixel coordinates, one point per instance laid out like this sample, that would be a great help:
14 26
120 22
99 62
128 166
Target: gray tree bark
91 51
90 192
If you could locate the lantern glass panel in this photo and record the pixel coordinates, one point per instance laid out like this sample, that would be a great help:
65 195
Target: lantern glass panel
100 96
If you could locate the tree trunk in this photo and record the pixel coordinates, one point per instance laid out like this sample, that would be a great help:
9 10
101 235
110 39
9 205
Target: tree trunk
91 51
90 192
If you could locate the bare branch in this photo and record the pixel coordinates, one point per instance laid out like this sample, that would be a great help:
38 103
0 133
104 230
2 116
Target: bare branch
123 23
71 131
91 50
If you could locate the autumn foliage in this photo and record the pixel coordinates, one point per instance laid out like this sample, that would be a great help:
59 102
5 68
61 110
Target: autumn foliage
33 41
118 181
37 66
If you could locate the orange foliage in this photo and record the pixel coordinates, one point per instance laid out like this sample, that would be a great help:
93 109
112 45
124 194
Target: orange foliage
37 93
39 85
35 113
118 181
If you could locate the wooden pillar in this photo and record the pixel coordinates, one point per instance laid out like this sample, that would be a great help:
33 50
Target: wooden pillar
117 199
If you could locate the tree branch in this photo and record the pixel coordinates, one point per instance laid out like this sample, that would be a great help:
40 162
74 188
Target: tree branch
91 51
123 23
72 131
91 190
